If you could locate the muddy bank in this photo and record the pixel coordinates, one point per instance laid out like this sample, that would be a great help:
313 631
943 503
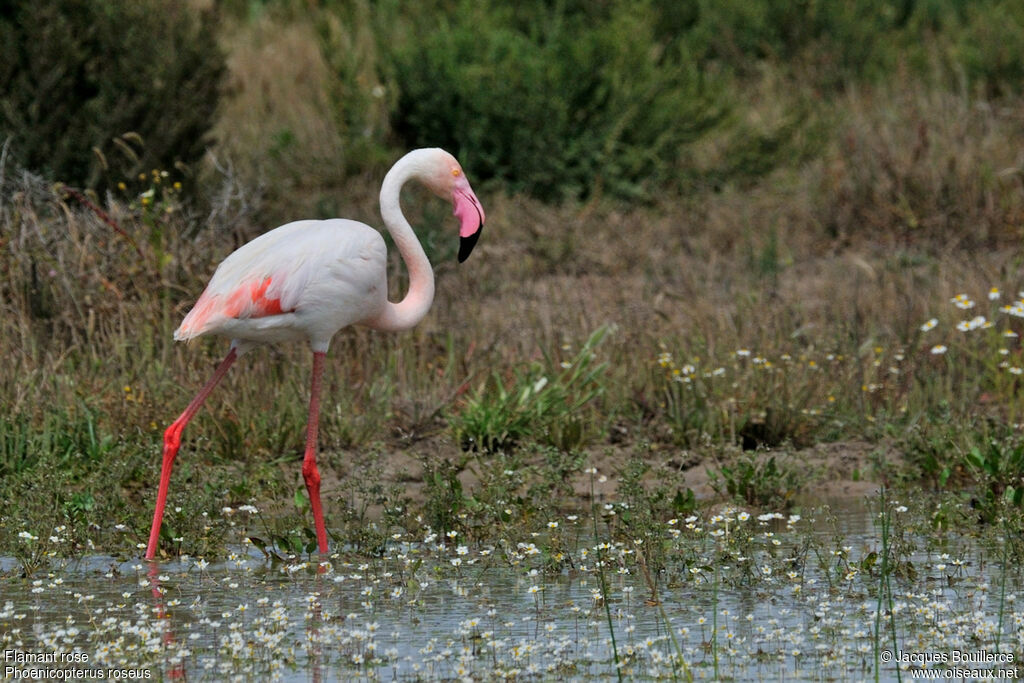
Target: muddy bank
826 472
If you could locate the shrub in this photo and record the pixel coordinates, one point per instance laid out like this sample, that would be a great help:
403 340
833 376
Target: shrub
75 77
835 43
556 103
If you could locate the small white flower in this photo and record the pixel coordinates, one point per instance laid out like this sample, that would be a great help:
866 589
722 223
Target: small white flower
962 301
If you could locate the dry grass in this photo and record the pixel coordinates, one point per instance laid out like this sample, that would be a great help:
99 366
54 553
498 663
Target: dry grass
826 253
286 121
277 121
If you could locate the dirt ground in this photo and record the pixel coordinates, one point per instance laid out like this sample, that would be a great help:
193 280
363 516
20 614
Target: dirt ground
842 470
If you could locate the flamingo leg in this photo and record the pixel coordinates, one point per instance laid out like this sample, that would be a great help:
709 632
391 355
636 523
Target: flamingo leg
172 441
309 470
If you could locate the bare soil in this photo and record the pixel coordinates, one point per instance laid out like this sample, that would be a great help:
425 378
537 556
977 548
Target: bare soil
841 470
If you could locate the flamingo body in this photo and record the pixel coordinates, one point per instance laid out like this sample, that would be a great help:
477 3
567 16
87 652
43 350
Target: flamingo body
306 280
302 281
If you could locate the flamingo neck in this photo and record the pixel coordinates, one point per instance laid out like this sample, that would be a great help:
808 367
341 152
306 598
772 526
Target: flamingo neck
414 306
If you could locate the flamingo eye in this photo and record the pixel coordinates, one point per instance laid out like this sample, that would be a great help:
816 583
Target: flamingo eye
456 172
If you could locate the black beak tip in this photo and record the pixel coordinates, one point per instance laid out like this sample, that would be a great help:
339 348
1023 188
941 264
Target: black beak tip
466 244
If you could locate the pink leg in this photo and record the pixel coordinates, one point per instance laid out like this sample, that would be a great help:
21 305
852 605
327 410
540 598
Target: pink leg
172 441
309 470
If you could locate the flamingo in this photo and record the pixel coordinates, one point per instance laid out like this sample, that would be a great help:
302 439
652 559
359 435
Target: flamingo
306 280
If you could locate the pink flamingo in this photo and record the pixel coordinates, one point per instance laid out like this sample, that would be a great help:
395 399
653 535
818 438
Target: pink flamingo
308 279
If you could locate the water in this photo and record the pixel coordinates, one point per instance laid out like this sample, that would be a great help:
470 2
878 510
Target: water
739 598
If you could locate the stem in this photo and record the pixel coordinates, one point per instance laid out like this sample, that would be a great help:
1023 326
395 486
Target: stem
604 586
885 587
878 604
714 623
1002 586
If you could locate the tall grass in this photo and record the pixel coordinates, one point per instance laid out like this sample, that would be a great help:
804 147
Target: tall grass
819 233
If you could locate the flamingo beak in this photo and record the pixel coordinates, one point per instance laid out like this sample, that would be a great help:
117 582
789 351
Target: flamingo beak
471 219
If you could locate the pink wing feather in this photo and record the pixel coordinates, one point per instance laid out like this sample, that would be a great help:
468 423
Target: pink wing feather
249 300
262 278
314 265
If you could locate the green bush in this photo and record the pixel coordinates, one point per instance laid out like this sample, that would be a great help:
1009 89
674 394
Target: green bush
554 101
565 99
835 43
990 48
75 77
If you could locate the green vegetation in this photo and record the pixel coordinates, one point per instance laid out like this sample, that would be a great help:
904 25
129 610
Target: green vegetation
88 90
728 245
616 112
498 417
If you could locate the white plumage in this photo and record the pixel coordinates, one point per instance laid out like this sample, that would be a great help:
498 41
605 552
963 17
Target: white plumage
303 280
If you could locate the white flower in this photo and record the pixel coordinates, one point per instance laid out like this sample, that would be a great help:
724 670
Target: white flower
972 324
1017 309
962 301
930 325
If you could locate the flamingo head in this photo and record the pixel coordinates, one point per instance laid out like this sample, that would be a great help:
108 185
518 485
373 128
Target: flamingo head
448 181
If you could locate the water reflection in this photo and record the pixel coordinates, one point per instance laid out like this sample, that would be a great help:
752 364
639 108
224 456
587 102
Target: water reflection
174 667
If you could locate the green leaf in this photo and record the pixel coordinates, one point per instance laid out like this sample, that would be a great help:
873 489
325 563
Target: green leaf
944 476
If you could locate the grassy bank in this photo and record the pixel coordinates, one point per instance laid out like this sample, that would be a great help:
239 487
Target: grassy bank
770 294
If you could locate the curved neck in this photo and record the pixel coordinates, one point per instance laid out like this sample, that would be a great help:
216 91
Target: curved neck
411 309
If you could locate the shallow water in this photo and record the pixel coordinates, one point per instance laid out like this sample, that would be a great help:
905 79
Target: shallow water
781 607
